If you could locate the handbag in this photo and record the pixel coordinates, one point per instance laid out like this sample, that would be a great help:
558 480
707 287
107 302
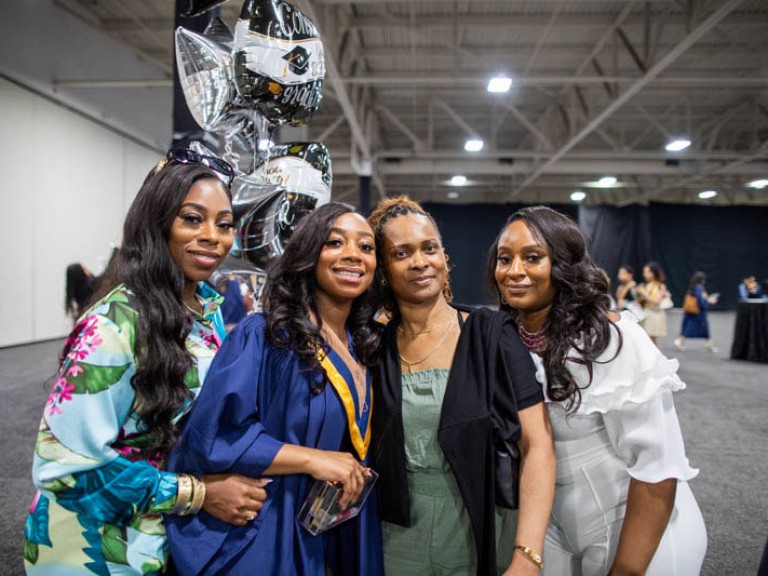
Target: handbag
666 303
691 305
507 462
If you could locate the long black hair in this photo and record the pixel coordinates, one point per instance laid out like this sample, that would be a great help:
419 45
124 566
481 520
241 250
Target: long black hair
144 264
578 318
80 286
289 294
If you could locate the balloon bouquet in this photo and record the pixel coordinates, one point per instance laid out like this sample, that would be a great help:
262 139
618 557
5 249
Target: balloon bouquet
242 86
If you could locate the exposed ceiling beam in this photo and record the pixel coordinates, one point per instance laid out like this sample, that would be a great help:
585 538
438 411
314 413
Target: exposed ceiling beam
506 20
339 88
667 60
425 79
528 124
460 81
522 51
712 170
520 20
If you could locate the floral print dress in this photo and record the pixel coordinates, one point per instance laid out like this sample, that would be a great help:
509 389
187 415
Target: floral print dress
101 494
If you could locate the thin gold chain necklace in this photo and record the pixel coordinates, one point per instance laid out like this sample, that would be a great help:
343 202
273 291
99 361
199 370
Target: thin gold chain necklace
409 364
441 325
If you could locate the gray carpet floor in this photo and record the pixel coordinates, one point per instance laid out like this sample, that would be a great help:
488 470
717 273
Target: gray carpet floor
723 413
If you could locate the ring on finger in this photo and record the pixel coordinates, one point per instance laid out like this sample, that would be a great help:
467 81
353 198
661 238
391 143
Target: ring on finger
250 516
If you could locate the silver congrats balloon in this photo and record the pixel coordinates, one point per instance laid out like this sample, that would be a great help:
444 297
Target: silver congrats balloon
300 167
279 61
207 79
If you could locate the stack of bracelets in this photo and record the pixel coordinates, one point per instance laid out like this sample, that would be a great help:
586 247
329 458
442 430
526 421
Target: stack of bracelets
189 496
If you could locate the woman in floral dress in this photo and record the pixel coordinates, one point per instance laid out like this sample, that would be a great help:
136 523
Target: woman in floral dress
130 369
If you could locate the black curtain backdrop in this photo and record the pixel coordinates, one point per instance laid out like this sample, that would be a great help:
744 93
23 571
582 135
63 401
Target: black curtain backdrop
468 231
725 242
617 236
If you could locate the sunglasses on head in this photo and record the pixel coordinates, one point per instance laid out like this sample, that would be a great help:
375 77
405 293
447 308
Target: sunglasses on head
186 156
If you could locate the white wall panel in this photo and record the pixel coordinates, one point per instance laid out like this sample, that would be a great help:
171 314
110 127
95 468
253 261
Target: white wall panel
68 183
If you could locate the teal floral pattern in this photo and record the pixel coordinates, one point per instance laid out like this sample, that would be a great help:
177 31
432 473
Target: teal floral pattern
101 492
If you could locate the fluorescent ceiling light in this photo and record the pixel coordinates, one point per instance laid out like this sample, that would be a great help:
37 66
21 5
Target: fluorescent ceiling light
759 184
499 84
707 194
606 181
677 145
453 195
474 145
458 180
578 195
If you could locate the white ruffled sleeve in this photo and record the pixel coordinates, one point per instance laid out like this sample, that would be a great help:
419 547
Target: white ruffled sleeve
633 393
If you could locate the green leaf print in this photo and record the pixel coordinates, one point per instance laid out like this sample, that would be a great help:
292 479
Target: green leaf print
31 551
125 318
49 448
94 379
113 539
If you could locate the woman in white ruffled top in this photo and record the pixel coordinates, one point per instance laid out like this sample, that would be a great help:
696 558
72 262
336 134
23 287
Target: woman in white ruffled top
622 503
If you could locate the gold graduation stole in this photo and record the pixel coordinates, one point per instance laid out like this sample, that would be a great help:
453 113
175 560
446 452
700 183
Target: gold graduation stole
339 384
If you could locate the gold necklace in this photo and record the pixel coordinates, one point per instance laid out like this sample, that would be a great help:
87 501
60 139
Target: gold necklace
191 309
409 364
441 325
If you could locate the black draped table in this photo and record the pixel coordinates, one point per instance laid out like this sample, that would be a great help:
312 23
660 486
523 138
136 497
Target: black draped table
750 336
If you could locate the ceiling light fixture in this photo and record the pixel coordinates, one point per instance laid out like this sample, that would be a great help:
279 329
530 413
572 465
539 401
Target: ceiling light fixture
578 195
453 195
499 84
707 194
474 145
677 145
758 184
606 182
458 180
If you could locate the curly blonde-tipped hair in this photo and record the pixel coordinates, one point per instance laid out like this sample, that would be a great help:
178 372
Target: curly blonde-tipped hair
389 209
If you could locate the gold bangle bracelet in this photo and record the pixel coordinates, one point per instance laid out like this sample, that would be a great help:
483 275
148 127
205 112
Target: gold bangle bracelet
198 496
533 556
183 493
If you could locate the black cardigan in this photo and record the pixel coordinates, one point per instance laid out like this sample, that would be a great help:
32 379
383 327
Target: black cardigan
491 377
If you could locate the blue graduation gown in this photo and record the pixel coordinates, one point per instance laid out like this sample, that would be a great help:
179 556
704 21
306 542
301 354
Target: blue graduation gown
255 399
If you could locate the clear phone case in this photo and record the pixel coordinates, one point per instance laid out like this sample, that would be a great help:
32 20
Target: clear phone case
321 509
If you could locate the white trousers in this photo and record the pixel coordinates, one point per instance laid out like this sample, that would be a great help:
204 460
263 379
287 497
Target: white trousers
588 511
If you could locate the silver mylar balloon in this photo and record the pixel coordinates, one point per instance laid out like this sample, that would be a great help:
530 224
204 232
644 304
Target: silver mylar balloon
279 61
207 78
301 167
265 218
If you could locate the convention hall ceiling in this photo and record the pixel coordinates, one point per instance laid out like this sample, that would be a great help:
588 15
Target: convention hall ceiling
598 89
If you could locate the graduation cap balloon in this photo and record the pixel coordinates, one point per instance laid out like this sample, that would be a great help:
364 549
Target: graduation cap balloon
279 61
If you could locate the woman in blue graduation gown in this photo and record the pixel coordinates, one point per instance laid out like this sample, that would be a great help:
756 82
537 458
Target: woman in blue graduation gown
288 397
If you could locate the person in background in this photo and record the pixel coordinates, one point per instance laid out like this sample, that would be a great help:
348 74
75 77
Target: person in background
626 294
622 502
80 286
288 397
696 325
451 384
750 289
233 307
651 294
130 369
